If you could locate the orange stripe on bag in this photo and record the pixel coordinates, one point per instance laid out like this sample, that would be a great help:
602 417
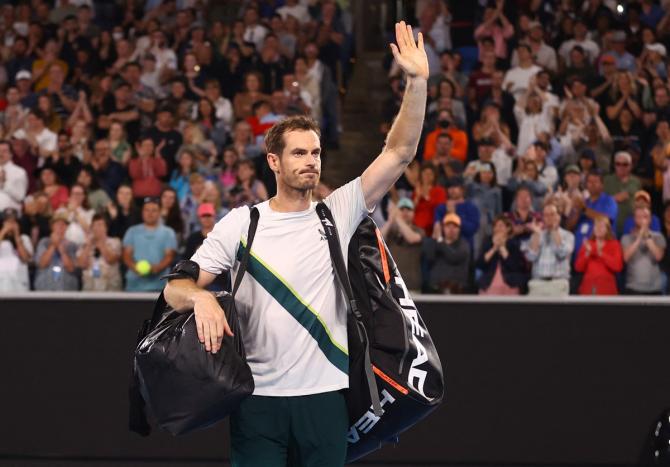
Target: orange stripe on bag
382 251
388 379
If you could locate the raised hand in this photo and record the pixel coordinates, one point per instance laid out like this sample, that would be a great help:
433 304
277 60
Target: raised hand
410 55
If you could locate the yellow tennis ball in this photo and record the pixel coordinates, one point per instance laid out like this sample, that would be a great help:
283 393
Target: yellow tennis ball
143 267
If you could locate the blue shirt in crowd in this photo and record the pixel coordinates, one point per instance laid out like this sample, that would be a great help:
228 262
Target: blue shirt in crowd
629 224
606 205
150 244
469 214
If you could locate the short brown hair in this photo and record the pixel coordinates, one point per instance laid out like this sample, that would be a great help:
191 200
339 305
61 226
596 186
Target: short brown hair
274 138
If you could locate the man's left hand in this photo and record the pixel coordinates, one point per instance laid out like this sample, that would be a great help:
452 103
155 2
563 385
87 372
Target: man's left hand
410 55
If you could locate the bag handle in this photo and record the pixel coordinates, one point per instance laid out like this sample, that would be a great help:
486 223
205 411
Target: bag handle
330 229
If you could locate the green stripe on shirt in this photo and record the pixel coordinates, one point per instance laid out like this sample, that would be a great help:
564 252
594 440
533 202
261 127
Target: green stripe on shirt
291 301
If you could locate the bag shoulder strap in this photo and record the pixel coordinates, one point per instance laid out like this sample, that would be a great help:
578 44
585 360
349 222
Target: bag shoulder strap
335 248
244 262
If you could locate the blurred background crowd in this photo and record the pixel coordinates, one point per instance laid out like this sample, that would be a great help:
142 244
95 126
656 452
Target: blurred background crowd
543 168
128 128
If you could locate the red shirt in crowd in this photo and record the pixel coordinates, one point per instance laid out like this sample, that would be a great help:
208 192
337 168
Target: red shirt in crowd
424 209
146 174
59 197
599 269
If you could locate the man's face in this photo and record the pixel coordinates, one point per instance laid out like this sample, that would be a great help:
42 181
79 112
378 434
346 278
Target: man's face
242 131
485 152
5 153
102 152
212 92
523 53
642 218
550 217
207 221
578 89
536 34
20 48
122 93
543 80
455 193
299 167
164 119
99 229
576 58
59 227
34 123
132 74
523 200
661 97
250 17
443 146
407 215
451 232
197 186
594 185
151 212
622 167
572 179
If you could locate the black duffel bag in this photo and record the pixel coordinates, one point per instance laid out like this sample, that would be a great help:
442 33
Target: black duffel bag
185 387
395 374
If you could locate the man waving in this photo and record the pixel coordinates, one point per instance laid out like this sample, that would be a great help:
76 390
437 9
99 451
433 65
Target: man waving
292 315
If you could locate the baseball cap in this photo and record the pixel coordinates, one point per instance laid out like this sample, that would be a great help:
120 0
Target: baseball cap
608 59
405 203
119 84
642 194
657 47
452 218
59 216
10 213
24 74
588 154
206 209
485 167
151 199
541 144
623 155
573 168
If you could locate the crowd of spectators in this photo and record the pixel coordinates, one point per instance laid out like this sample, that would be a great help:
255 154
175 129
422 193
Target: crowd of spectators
128 128
544 166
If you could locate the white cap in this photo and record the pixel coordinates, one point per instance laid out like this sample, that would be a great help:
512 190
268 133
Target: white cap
656 47
24 74
20 134
624 155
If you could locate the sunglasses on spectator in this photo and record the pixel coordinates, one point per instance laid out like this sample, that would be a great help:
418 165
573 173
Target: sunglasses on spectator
621 164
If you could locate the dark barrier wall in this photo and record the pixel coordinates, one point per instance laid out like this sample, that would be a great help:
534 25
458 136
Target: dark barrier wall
571 382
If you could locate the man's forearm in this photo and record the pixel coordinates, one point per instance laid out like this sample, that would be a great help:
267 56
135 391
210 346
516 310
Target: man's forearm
182 294
403 138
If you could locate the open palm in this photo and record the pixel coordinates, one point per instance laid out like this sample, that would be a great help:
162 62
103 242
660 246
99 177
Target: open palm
410 55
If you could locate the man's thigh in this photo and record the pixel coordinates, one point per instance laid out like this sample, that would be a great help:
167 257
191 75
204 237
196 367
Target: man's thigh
259 432
319 425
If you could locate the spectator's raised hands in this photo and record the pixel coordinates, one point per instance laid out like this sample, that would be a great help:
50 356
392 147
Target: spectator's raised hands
410 55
